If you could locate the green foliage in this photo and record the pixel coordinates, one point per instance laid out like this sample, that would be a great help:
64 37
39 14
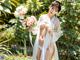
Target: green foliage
15 58
69 43
21 34
33 6
4 50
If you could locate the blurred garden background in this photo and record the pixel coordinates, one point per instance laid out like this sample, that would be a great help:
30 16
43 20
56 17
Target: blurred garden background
15 41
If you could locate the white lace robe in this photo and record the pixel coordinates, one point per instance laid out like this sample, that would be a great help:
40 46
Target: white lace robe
54 24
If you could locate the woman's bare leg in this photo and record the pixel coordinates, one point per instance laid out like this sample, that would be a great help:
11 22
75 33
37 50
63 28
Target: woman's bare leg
41 41
50 52
39 54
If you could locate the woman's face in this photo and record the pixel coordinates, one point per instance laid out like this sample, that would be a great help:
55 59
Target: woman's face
53 10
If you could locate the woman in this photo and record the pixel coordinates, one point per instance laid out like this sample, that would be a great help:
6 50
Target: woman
48 33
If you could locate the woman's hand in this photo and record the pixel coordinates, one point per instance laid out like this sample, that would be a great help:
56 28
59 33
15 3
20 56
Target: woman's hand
41 40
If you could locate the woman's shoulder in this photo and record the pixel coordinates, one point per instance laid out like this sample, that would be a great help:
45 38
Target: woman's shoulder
43 16
56 19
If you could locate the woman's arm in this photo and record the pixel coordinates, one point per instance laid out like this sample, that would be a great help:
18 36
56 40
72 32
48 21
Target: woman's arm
43 31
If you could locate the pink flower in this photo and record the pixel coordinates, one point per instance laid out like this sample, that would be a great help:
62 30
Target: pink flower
31 20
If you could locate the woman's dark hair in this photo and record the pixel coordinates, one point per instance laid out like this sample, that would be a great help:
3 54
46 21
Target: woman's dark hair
56 3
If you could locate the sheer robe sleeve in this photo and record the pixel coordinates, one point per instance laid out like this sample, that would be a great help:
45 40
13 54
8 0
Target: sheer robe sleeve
57 32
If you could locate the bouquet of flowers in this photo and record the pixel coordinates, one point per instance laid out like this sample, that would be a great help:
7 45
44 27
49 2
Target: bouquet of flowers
21 12
29 22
